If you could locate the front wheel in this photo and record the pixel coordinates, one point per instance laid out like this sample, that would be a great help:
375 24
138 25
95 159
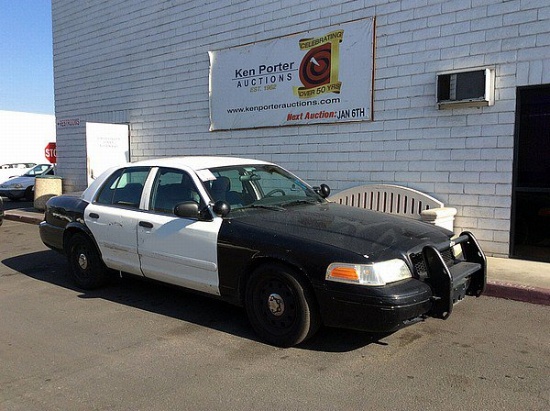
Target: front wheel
87 269
29 193
280 306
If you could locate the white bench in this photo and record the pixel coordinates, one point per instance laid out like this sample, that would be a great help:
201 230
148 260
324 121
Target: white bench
398 200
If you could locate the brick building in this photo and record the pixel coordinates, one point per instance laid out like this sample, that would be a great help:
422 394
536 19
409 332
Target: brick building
146 64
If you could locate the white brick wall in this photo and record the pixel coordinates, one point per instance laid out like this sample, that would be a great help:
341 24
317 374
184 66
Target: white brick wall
146 63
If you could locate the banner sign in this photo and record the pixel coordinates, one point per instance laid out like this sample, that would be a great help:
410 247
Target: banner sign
319 76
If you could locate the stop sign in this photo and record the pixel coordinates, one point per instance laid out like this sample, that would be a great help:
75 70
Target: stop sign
51 153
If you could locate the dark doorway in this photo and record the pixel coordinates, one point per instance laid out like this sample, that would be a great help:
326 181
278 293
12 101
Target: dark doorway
531 189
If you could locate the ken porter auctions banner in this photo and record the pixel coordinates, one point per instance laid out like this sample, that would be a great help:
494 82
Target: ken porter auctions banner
320 76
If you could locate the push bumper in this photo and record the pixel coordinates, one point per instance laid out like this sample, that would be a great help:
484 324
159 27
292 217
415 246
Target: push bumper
450 284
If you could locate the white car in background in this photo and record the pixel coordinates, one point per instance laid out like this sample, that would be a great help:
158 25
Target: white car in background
10 170
23 186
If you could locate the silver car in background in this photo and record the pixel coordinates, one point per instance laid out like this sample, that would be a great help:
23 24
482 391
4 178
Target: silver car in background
23 186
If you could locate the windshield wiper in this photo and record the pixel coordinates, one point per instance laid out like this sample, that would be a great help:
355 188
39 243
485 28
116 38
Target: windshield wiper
265 206
301 201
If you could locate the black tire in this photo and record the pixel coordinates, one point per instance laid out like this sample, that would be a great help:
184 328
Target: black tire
29 193
280 306
87 269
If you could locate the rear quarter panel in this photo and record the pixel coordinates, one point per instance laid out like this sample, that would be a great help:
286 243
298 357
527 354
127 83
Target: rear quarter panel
62 212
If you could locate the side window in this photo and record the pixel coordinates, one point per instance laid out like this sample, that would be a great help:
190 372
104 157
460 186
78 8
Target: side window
124 187
172 187
37 170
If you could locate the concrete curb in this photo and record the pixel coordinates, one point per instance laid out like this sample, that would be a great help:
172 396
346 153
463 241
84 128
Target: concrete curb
517 292
25 217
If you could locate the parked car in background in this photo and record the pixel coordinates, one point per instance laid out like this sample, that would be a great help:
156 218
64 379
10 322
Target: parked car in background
1 211
10 170
253 234
23 186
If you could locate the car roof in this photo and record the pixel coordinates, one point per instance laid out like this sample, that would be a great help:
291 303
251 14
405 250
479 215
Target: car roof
198 162
191 163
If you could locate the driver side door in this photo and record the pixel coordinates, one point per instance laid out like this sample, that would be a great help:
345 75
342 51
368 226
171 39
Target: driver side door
181 251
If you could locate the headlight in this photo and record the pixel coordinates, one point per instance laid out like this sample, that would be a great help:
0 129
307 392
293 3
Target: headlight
16 185
380 273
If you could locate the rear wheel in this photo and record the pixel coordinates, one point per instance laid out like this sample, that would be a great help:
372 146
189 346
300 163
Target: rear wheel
87 269
280 306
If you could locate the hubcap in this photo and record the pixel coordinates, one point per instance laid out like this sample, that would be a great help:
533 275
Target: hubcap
83 261
276 304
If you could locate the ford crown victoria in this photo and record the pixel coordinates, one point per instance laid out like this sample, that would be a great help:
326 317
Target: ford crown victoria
253 234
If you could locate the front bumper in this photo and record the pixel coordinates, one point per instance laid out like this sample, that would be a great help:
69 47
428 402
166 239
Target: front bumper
375 309
394 306
12 193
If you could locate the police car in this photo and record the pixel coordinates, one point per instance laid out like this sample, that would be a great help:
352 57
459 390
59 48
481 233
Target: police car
255 235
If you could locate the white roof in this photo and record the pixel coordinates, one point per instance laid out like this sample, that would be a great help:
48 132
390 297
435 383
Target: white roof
198 162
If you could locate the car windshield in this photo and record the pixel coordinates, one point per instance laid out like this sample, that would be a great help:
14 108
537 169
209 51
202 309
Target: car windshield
265 186
38 170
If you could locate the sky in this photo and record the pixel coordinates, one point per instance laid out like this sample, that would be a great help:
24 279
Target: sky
26 56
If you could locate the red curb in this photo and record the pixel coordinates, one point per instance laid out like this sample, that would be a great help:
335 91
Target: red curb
518 292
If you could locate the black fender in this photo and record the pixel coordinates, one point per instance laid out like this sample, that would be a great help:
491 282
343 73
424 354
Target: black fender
77 227
260 259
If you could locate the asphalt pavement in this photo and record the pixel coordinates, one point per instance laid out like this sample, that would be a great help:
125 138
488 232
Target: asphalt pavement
519 280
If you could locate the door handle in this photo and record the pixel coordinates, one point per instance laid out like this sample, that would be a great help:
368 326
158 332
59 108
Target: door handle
94 215
145 224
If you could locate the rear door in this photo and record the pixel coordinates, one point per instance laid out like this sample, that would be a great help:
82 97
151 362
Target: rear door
181 251
114 215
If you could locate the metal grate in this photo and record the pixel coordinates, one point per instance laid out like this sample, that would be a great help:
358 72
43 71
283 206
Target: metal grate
420 265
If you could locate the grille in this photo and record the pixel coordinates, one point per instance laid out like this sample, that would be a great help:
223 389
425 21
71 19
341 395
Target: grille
420 266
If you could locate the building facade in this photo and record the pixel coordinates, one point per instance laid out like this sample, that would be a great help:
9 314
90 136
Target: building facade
146 64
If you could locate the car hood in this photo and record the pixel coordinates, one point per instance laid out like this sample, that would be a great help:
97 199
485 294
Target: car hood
25 181
360 231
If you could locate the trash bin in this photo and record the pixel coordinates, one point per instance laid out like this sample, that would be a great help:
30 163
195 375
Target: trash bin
46 187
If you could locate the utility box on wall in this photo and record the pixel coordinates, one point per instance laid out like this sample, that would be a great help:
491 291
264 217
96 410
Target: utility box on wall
472 88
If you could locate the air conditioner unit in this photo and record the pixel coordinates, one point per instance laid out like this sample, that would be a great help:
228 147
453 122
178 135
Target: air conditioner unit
474 88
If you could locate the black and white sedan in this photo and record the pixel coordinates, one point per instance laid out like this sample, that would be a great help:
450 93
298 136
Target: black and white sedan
253 234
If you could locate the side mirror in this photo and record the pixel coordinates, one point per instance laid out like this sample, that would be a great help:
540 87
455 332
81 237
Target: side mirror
221 208
323 191
187 209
